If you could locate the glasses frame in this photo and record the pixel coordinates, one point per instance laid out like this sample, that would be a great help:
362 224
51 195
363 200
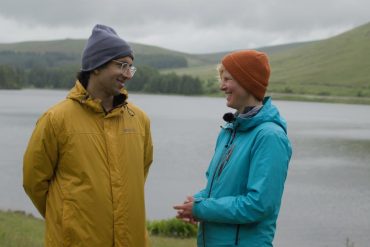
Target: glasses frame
126 67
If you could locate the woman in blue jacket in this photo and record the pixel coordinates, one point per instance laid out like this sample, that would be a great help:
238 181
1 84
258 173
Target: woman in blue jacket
241 202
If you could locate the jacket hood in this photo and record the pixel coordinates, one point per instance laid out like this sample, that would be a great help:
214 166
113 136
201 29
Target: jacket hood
268 113
79 93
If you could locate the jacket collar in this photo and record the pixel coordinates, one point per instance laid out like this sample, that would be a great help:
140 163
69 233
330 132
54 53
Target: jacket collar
79 94
267 113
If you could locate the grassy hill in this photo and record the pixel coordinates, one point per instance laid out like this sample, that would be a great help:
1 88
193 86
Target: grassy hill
201 63
207 69
338 66
76 46
73 46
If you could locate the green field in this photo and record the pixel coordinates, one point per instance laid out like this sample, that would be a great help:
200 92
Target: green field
339 66
20 230
335 67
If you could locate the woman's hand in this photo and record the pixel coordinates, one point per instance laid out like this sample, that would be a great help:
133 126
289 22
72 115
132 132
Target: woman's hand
185 211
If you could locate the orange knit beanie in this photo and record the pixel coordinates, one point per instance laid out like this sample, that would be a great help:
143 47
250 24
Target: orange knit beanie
250 69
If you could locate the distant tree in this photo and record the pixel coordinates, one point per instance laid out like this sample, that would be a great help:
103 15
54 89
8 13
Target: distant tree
38 77
30 60
44 73
151 81
9 77
189 85
143 75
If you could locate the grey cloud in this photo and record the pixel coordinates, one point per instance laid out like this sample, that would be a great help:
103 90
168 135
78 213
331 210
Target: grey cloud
268 14
173 22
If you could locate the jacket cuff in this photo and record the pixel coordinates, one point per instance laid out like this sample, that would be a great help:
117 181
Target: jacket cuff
196 207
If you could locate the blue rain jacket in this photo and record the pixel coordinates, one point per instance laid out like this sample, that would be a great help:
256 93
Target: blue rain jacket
241 202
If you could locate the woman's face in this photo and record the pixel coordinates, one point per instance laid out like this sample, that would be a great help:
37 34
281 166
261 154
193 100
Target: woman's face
236 96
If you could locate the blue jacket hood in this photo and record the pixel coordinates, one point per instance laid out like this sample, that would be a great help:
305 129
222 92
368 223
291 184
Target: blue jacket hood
268 113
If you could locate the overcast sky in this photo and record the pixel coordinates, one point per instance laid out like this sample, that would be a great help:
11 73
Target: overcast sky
194 26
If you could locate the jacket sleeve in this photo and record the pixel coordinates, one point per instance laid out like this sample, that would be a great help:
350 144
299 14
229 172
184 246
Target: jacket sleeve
269 164
148 149
39 162
203 193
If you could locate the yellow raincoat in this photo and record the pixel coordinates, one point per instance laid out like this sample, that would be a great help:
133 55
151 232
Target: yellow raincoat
85 170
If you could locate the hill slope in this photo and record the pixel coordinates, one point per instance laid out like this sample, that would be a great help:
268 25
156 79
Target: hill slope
76 46
336 66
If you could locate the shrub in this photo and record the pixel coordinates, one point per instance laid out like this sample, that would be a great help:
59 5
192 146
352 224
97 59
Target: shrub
171 228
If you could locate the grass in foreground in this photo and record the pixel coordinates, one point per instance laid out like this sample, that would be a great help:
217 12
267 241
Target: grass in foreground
172 242
18 229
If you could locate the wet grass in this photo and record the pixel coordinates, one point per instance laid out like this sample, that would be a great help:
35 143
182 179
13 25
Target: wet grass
18 229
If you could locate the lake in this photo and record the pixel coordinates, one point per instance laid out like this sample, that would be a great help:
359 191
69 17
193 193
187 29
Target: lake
327 192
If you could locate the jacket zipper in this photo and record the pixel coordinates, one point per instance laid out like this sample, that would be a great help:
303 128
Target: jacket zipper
237 234
209 194
224 162
228 153
219 169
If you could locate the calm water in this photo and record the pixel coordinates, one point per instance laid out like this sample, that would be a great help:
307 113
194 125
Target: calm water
327 195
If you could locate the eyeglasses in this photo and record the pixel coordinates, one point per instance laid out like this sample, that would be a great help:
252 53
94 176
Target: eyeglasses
125 67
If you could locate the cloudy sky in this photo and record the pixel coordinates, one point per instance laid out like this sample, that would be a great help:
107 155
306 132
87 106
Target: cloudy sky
195 26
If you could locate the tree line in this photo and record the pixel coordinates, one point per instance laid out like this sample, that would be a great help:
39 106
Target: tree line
146 79
58 70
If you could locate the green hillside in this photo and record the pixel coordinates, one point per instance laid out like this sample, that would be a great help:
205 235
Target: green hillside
207 69
215 58
75 47
336 66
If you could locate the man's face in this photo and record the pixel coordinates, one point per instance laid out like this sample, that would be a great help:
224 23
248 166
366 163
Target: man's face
112 78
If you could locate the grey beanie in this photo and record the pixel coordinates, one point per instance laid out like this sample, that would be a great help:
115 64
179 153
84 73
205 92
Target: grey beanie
103 45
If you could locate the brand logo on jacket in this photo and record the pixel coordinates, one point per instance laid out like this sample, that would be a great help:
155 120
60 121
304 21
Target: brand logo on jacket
129 130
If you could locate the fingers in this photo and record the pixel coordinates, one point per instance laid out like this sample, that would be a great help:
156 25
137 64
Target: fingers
178 207
189 220
184 211
193 221
190 199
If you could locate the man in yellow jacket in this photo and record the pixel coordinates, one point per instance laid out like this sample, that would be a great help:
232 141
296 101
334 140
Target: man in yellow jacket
89 155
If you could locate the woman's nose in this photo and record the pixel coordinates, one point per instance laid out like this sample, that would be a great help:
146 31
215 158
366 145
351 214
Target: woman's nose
222 85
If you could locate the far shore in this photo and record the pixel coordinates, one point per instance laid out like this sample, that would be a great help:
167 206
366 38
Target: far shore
275 96
322 99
